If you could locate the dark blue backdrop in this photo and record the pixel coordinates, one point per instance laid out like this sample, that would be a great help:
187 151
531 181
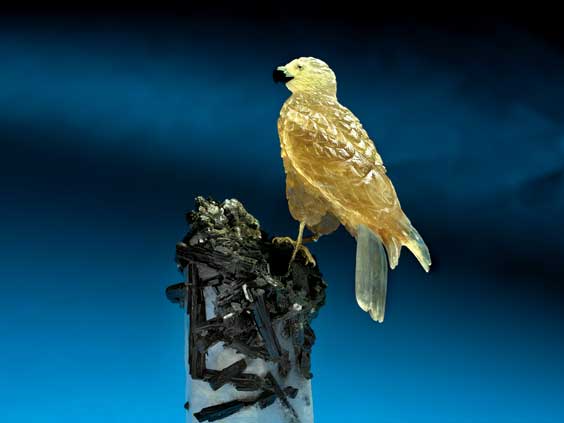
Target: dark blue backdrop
110 129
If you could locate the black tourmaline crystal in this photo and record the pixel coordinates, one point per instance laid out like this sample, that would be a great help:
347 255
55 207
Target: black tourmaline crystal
254 293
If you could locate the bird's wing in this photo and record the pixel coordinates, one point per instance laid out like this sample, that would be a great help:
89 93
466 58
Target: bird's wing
330 148
351 129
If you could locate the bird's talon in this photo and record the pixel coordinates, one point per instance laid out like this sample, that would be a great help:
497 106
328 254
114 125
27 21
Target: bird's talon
308 256
283 240
309 260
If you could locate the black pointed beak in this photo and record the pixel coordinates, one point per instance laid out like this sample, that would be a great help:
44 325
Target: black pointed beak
280 74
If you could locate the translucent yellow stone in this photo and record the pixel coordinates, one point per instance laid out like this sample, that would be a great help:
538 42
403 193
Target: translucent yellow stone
334 175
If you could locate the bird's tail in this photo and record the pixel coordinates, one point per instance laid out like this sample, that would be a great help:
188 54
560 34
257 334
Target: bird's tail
406 235
371 274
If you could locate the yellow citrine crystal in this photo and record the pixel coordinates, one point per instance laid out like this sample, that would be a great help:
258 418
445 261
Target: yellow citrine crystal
334 175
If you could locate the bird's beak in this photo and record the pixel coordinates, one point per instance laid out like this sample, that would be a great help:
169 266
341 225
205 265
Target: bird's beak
281 74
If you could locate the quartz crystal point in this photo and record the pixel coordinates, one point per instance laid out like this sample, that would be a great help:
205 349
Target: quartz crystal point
248 333
371 274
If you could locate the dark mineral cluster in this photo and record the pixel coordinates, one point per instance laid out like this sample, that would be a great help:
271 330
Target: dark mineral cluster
241 297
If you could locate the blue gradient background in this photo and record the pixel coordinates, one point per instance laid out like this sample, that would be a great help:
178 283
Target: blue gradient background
109 130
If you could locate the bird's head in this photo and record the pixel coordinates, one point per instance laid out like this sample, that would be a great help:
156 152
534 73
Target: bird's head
307 75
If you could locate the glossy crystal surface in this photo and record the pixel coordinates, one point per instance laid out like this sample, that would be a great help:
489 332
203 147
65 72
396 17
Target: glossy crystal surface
334 173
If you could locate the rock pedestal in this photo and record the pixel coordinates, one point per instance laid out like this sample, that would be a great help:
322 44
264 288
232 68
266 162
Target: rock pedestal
248 333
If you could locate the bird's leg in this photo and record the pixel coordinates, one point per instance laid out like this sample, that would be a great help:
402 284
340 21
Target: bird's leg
298 245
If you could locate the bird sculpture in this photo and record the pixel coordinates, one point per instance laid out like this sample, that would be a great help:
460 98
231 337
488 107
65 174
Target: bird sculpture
334 175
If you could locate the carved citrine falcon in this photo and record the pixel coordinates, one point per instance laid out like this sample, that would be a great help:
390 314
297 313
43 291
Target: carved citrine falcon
334 175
